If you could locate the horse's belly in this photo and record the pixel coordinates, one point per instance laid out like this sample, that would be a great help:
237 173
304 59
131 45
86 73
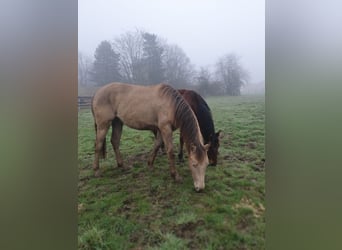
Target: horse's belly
138 117
140 124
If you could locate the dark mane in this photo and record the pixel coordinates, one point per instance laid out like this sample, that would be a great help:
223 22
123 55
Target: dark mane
185 119
202 112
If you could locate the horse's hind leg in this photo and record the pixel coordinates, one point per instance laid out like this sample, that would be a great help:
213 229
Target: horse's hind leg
101 131
115 140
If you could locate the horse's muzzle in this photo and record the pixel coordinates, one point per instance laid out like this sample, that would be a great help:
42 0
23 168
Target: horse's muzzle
199 189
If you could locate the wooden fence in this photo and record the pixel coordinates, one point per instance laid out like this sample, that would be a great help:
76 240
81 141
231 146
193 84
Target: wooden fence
84 102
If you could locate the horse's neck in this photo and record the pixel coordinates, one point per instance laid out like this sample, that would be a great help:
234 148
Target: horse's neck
196 137
206 123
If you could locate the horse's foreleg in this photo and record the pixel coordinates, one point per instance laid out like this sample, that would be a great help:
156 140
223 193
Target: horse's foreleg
101 131
181 144
166 133
115 140
157 144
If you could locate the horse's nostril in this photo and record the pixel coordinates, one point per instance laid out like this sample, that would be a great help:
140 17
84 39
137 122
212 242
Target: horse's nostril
197 189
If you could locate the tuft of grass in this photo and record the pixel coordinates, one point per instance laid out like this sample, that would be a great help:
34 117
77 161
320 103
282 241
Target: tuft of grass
91 238
186 218
171 242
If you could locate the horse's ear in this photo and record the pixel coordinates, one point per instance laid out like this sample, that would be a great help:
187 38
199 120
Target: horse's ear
219 134
207 146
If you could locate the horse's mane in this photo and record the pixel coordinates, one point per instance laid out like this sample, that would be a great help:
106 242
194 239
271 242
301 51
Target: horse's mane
202 111
184 118
204 117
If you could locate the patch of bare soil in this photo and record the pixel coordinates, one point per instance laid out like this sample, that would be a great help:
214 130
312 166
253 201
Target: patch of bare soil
259 166
188 231
243 224
140 157
251 145
126 207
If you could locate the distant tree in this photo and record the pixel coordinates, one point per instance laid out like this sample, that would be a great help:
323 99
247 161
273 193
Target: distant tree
152 58
203 80
231 74
84 69
106 64
179 72
146 58
217 88
130 47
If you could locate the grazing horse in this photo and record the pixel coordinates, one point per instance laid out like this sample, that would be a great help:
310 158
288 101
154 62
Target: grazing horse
158 108
206 123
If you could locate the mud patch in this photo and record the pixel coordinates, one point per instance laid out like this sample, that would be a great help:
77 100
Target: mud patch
187 230
141 157
127 206
259 166
251 145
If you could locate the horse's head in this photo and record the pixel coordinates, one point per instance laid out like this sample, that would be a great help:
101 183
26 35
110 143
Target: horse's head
198 162
214 146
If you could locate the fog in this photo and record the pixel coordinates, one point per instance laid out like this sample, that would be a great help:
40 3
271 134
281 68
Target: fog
206 30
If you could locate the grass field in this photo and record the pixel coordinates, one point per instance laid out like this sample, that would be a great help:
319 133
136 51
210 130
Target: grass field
142 209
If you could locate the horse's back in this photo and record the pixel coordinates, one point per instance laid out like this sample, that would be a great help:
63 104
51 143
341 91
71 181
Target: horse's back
135 105
115 93
194 99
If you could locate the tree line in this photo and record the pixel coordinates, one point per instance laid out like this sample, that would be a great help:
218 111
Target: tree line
144 58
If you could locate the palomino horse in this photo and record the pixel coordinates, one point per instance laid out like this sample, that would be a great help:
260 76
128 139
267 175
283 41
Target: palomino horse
158 107
206 124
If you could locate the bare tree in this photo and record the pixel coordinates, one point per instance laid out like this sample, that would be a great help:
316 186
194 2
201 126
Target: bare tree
146 58
130 47
179 72
230 72
203 80
84 68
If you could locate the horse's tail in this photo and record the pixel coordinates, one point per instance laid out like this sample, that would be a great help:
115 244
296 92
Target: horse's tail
103 149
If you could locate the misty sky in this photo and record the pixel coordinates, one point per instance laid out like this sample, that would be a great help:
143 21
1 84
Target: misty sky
204 29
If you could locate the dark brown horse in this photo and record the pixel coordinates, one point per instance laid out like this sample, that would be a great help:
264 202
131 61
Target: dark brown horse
158 108
206 123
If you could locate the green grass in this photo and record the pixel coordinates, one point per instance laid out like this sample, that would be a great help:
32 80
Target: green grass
142 209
